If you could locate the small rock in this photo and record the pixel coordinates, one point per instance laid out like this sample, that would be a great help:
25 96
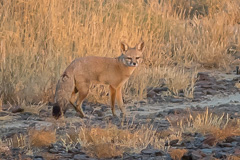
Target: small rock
196 155
210 140
176 111
206 86
210 92
80 157
87 108
161 89
220 155
99 113
142 102
207 151
202 76
44 113
104 108
176 100
225 144
17 109
38 158
26 115
200 83
237 151
173 142
140 109
2 114
151 94
232 139
154 152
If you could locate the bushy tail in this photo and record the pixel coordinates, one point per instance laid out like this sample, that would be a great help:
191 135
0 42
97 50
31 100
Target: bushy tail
63 93
56 111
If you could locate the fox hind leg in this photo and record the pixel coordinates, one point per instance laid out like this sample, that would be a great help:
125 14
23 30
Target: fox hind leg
73 98
83 89
112 99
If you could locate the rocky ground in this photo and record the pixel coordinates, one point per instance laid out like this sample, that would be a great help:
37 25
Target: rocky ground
215 90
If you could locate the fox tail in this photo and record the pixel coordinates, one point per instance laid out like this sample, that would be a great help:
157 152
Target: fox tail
63 92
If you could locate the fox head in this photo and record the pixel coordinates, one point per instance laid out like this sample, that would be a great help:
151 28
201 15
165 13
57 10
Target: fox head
132 57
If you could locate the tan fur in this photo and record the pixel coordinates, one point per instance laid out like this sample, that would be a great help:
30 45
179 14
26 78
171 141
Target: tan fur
82 72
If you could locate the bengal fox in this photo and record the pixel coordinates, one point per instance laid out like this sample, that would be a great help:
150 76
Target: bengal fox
82 72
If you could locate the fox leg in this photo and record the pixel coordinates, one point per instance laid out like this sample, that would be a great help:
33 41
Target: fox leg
83 89
112 99
73 98
120 100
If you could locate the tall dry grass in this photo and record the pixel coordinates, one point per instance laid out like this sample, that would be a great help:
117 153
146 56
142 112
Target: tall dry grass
38 39
218 127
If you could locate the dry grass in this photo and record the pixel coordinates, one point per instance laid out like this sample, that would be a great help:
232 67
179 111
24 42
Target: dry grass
38 39
111 141
177 154
16 141
233 157
219 127
41 138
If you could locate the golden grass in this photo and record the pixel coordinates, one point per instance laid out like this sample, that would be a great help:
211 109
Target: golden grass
38 39
177 154
41 138
233 157
219 127
111 141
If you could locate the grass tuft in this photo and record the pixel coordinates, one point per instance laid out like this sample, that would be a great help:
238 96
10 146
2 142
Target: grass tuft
41 138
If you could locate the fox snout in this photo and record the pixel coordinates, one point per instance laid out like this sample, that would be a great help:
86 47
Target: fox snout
133 64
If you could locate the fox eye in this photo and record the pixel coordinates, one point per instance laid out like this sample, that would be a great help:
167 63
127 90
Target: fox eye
138 57
129 58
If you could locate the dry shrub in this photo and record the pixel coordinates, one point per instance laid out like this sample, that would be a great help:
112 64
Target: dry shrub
177 154
237 85
219 127
41 138
17 141
111 141
231 157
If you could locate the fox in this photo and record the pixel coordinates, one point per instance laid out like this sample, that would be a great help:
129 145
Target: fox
82 72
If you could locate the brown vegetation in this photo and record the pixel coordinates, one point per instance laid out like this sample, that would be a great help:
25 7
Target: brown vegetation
111 142
38 39
41 138
216 127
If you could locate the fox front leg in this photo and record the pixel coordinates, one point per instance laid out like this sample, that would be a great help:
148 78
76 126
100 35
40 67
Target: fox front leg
120 100
112 99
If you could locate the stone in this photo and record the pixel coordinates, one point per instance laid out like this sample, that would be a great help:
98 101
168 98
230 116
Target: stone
142 102
140 109
151 94
210 92
220 155
99 113
17 109
220 144
173 142
176 100
38 158
210 140
196 155
155 152
161 89
207 151
2 114
80 157
202 76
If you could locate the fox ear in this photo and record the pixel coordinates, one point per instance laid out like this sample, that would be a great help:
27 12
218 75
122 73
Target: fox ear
124 47
140 46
